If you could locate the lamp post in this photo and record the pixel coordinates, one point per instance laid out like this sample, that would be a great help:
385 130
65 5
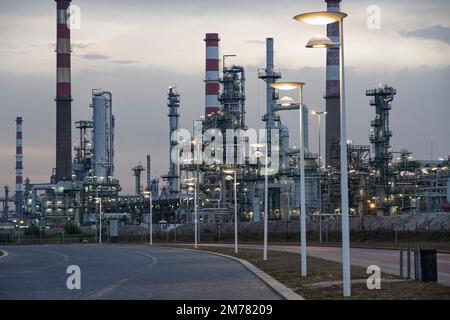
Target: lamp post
286 86
259 154
235 207
194 186
99 201
148 195
324 18
319 115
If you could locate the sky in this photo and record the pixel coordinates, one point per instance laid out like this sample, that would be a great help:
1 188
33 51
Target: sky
138 48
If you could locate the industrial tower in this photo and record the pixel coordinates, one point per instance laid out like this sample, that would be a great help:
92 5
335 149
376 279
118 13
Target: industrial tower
19 169
332 96
137 170
63 95
380 138
173 177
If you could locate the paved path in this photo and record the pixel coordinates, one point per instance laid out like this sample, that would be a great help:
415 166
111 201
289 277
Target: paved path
387 260
125 272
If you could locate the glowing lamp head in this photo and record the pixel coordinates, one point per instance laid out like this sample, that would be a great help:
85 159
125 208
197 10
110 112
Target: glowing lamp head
320 41
286 86
320 18
285 101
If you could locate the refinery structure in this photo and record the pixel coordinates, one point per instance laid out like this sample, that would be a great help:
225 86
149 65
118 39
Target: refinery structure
382 181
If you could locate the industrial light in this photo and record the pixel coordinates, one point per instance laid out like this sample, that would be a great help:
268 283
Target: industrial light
229 178
286 86
228 171
258 145
318 112
320 18
258 154
285 101
320 41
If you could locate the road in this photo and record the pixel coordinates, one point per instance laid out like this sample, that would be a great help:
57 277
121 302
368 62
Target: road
387 260
125 272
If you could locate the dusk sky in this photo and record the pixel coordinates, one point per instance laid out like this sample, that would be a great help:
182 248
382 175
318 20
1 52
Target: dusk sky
138 48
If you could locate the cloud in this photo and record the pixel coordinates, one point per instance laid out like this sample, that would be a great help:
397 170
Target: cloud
80 45
125 61
435 32
94 56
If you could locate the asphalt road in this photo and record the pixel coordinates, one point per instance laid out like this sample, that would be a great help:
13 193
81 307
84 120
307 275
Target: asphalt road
125 272
387 260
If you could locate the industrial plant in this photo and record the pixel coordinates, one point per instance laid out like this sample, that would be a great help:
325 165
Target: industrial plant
218 166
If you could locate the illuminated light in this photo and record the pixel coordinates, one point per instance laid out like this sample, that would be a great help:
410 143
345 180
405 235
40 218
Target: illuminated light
286 86
320 41
258 154
285 101
320 18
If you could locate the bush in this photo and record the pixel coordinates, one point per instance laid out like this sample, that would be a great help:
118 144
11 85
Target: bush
72 228
32 230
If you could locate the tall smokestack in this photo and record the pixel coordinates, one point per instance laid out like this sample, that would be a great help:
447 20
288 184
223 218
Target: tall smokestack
333 127
173 102
19 167
149 173
63 94
212 104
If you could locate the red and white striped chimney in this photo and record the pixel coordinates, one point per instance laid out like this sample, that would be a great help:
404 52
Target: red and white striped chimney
19 165
332 85
63 94
212 104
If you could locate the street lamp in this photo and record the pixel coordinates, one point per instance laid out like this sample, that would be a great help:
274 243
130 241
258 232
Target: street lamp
148 195
286 86
229 178
259 154
99 201
194 185
323 18
319 115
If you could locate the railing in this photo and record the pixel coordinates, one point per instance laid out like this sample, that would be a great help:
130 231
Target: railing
14 239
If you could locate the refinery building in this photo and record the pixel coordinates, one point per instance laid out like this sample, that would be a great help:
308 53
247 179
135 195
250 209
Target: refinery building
382 181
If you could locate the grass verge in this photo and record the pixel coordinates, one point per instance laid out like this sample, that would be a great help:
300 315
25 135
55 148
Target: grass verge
323 280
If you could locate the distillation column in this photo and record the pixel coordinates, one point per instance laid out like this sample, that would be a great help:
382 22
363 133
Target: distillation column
380 138
137 178
103 135
174 105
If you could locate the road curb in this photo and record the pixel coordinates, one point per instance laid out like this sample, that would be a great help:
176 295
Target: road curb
4 255
274 284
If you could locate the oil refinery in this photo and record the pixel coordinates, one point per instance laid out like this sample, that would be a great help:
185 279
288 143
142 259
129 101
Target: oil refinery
84 188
